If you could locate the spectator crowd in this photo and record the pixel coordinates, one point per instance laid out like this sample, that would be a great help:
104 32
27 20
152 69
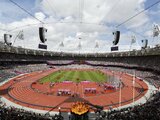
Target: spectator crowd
147 111
9 71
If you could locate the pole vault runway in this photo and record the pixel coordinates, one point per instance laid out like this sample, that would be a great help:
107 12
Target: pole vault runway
21 90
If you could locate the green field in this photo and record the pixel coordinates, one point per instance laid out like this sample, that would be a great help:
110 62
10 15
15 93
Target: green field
75 75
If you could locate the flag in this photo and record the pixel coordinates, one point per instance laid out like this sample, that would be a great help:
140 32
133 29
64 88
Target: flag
61 44
133 39
156 31
21 35
79 45
97 45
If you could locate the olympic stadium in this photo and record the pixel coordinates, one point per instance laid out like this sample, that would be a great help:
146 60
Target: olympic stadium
79 60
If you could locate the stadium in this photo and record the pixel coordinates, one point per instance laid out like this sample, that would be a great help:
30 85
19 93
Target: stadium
79 62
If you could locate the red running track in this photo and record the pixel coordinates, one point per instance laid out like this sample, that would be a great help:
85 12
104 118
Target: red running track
20 91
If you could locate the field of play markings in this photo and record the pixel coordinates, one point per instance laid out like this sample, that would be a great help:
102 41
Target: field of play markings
20 91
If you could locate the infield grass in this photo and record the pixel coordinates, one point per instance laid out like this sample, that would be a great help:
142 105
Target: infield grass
75 76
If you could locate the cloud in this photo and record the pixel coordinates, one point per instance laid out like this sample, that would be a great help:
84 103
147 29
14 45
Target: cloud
92 20
40 16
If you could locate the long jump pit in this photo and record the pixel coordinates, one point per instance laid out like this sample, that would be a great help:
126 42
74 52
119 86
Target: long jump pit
26 91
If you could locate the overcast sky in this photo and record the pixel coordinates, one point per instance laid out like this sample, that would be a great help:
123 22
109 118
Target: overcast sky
68 20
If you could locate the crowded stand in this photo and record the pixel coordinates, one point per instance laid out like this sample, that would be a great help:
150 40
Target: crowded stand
9 71
150 63
74 66
12 113
29 68
147 111
150 76
5 73
60 62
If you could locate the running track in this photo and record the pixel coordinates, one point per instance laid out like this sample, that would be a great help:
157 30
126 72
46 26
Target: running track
19 91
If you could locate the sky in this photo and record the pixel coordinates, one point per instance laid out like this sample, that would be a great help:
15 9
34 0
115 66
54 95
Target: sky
85 23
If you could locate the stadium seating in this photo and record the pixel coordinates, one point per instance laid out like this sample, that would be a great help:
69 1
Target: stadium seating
145 62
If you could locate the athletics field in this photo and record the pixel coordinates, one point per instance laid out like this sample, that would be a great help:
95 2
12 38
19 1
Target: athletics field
75 76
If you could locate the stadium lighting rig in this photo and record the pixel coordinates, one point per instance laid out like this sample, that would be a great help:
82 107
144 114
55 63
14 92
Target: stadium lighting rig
130 18
26 11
